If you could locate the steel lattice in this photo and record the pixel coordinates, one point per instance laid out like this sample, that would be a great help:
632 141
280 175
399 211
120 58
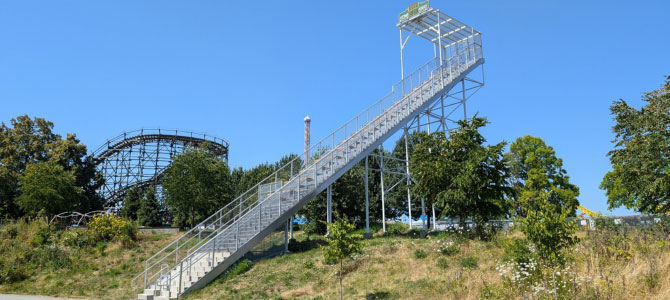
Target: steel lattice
138 158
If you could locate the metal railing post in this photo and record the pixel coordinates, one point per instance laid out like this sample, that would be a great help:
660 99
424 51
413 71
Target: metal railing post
146 270
181 271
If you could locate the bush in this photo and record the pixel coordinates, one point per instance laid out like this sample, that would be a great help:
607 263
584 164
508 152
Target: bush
76 238
442 263
396 228
448 248
111 228
26 247
420 253
469 262
240 268
518 251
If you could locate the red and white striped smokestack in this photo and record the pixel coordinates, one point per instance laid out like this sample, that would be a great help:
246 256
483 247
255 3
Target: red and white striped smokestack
307 121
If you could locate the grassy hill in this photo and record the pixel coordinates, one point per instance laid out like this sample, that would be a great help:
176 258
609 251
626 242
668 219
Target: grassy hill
613 263
38 260
608 264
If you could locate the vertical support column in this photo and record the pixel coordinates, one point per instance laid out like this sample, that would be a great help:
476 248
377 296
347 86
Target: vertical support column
367 234
291 229
286 237
381 170
465 115
402 62
439 36
423 218
329 206
409 180
434 219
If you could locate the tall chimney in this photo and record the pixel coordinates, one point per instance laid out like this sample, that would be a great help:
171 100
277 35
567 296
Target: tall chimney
307 121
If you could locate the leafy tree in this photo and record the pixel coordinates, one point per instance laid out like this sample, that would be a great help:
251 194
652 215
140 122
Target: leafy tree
196 184
460 175
535 168
348 199
47 186
545 199
148 214
71 154
246 179
640 177
8 190
546 225
344 243
131 203
26 141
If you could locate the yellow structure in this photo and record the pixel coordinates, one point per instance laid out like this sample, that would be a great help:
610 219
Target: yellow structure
589 212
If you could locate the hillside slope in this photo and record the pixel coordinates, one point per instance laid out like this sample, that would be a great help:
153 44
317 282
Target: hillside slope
604 265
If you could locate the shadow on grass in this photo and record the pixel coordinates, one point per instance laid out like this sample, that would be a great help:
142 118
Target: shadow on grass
377 296
306 245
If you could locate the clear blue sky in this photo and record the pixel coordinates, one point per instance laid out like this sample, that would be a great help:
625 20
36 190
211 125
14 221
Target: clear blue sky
250 71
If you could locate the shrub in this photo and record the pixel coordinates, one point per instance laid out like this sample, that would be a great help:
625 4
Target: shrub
469 262
518 251
447 248
396 228
76 238
420 253
240 268
442 263
308 264
111 228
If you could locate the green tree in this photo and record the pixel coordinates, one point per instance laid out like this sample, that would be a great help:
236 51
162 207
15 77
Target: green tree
535 168
640 176
27 141
196 184
131 203
47 186
348 199
460 175
546 225
148 214
71 154
343 243
24 141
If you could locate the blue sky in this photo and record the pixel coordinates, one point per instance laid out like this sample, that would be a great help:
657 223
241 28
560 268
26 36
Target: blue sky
250 71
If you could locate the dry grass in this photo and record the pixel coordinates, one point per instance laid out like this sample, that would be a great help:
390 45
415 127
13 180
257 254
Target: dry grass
389 269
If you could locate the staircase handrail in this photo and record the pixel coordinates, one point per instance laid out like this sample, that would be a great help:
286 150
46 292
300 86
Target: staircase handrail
248 196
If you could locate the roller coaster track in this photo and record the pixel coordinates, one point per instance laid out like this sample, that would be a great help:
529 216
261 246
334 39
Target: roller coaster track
138 158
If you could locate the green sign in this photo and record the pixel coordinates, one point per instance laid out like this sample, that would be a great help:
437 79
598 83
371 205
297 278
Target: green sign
413 10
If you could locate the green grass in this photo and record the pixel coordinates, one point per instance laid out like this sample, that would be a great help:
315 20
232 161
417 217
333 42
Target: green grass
618 265
62 263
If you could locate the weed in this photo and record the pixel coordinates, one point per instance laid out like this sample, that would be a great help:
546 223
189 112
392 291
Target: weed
469 262
420 254
308 264
442 263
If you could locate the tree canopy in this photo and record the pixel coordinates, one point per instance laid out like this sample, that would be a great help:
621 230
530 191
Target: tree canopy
640 176
27 141
196 184
538 174
46 186
460 175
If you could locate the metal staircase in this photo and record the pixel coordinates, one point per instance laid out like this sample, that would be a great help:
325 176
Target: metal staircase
207 250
